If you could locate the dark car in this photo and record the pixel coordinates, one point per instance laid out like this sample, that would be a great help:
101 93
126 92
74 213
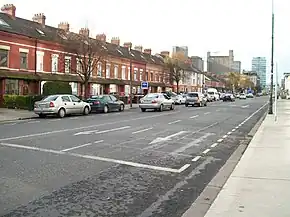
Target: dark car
229 97
105 103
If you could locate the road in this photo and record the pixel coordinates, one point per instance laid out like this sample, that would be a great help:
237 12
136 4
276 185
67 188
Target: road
129 164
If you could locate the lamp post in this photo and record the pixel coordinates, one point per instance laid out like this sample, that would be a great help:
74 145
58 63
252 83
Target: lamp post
131 81
272 64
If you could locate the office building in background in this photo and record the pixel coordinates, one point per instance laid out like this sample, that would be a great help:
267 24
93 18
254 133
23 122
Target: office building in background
259 65
180 49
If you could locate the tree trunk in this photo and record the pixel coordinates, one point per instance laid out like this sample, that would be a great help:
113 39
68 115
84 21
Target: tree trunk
87 89
177 87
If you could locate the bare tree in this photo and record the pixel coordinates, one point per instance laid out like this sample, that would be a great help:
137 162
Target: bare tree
88 53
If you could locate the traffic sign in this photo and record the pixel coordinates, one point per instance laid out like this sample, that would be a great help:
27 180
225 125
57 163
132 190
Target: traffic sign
144 85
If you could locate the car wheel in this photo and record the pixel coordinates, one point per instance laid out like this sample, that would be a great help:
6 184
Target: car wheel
106 109
143 109
42 115
61 113
121 108
172 107
161 108
186 105
180 102
86 110
205 104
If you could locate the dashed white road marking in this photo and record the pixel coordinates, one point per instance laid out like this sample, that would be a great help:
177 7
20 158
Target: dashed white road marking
245 106
55 120
214 145
195 116
206 151
225 136
112 130
110 160
217 110
229 133
9 124
81 146
174 122
196 158
33 122
237 127
233 130
207 113
220 140
74 118
140 131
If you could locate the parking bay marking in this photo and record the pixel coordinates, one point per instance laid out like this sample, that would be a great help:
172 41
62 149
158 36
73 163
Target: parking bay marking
110 160
81 146
101 132
163 139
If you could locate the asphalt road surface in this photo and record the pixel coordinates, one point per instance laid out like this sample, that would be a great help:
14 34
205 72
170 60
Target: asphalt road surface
129 164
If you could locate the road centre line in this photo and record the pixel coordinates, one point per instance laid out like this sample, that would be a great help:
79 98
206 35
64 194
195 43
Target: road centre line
229 133
206 151
112 130
225 136
214 145
74 118
110 160
174 122
32 122
140 131
233 130
82 128
220 140
81 146
195 116
196 158
207 113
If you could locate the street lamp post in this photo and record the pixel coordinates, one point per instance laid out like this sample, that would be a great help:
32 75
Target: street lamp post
272 64
131 82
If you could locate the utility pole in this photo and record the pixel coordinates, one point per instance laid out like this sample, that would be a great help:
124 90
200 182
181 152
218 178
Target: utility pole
272 64
276 92
131 82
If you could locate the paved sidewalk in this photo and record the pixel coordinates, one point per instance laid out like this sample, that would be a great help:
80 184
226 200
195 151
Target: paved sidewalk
260 184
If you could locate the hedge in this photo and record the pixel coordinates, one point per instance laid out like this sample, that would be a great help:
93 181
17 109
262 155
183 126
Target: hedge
56 87
21 102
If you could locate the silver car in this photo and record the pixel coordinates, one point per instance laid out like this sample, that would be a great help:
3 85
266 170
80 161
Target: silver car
195 98
61 105
156 101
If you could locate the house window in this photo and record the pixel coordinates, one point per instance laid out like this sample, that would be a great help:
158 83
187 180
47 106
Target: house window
156 78
151 76
3 58
108 70
39 61
79 66
135 74
99 69
23 60
12 86
123 72
54 63
141 75
67 64
116 71
146 76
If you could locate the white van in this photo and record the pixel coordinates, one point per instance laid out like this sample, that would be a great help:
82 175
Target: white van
213 93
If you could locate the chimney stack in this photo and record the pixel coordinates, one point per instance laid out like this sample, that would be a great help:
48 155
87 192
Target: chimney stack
138 48
101 37
84 32
148 51
165 53
128 45
64 26
39 18
9 9
115 40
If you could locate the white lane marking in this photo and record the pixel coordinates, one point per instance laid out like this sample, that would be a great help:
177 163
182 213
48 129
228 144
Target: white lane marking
240 125
233 130
112 130
245 106
105 114
85 132
206 151
220 140
207 113
218 110
33 122
163 139
140 131
85 127
174 122
195 116
237 127
54 120
10 124
118 113
225 136
81 146
110 160
74 118
229 133
196 158
214 145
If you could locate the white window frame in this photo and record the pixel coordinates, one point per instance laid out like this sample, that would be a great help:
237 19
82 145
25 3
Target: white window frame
99 70
116 70
141 74
108 70
39 61
135 72
67 64
54 63
78 66
123 76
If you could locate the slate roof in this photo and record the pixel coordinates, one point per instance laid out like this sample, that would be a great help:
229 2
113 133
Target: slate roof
35 30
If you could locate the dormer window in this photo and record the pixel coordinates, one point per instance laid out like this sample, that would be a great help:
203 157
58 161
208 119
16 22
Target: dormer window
40 32
3 23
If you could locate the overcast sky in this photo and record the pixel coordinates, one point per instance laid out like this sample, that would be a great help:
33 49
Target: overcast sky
202 25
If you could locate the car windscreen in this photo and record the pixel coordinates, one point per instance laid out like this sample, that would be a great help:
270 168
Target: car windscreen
211 93
192 94
151 96
50 98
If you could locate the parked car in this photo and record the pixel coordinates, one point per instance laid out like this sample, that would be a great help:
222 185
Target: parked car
228 97
61 105
195 98
242 96
208 97
105 103
250 95
156 101
176 98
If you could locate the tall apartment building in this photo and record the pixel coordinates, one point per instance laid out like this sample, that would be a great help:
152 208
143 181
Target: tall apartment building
237 66
220 64
259 65
180 49
197 63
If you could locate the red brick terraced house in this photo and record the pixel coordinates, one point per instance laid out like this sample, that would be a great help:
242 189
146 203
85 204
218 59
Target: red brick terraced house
31 53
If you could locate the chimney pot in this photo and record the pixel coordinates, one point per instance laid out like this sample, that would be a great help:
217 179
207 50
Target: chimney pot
128 45
84 32
165 53
115 40
148 51
9 9
101 37
39 18
138 48
64 26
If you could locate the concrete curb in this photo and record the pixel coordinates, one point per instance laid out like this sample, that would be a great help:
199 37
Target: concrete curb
201 205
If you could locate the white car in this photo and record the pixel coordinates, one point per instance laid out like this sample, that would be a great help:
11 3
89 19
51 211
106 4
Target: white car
242 96
156 101
61 105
